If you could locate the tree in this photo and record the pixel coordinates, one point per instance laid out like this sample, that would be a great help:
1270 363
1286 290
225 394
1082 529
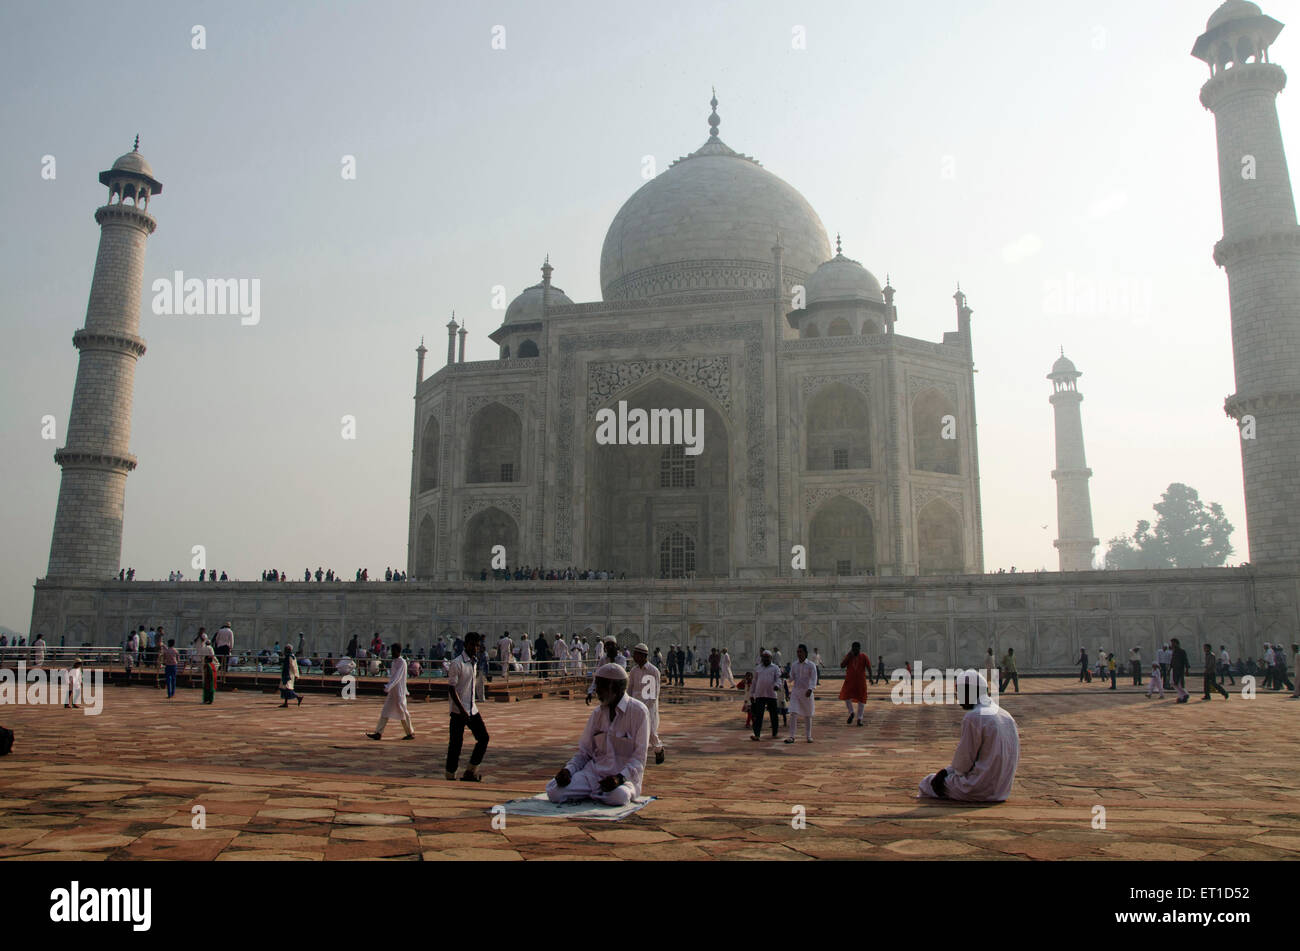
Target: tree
1187 534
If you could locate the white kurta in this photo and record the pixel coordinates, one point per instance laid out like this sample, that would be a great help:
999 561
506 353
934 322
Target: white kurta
395 702
725 668
505 652
643 685
985 762
607 749
38 653
525 654
803 676
461 674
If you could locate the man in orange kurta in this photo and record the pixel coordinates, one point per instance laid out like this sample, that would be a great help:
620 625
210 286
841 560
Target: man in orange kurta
856 667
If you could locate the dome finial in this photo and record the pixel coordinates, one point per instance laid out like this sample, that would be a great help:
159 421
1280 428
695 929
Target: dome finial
1062 350
136 147
838 250
714 121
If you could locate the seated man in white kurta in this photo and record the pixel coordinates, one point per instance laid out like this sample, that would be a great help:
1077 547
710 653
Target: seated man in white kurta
984 765
610 760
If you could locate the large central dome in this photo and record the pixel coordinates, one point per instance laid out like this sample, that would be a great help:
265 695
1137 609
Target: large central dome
709 223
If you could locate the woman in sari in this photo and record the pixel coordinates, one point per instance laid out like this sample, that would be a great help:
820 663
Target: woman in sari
855 666
288 674
208 661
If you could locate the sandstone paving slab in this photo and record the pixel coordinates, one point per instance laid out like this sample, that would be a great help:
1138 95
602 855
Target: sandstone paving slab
719 793
473 855
373 833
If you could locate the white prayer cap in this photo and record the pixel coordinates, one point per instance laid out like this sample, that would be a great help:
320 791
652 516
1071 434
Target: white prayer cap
611 672
766 652
642 648
969 680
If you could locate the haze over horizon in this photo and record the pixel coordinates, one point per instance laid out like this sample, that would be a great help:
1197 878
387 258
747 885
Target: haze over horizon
1053 159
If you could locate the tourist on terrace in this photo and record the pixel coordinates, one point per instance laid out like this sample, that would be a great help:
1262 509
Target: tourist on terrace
1179 665
763 688
725 678
462 675
643 682
1211 681
171 660
984 766
288 674
395 702
856 665
1157 682
803 673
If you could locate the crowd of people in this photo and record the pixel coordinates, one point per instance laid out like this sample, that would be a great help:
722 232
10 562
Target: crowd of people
529 573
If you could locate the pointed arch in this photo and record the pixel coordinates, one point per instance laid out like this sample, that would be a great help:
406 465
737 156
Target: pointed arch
843 539
840 327
485 530
425 548
496 436
526 349
931 452
838 429
430 443
940 549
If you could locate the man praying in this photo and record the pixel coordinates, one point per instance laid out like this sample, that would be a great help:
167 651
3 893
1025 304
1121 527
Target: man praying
611 755
985 762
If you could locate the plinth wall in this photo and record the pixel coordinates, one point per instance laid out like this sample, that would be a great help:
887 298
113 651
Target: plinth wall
943 621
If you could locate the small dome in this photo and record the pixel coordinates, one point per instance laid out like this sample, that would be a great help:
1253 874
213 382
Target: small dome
133 162
1232 10
842 279
1063 365
527 307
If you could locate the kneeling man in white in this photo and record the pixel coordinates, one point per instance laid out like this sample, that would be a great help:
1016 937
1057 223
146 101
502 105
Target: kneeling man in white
610 760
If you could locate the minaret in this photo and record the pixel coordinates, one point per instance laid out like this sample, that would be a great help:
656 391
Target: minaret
451 339
463 333
1260 251
87 540
1073 506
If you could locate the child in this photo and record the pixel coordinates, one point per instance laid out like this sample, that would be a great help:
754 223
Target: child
747 685
1157 682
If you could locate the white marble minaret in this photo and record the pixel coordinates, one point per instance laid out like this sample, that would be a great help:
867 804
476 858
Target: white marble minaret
87 540
1073 506
1260 251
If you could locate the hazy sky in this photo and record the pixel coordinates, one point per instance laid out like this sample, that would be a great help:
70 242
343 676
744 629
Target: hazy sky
1082 158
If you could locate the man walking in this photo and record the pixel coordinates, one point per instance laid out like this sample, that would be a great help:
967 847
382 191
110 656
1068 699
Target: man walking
1135 665
1009 674
505 651
223 643
1164 657
643 681
725 678
1179 665
1211 682
767 680
1225 665
681 666
1084 674
462 672
803 674
715 666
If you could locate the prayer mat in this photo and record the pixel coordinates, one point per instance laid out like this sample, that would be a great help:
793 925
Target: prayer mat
540 805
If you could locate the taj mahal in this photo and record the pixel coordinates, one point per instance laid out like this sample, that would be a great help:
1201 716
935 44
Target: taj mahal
823 426
832 490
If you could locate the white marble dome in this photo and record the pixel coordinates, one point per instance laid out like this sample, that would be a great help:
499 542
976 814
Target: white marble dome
709 222
527 307
133 162
1233 10
842 279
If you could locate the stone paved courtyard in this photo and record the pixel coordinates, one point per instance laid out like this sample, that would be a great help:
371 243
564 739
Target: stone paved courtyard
305 784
